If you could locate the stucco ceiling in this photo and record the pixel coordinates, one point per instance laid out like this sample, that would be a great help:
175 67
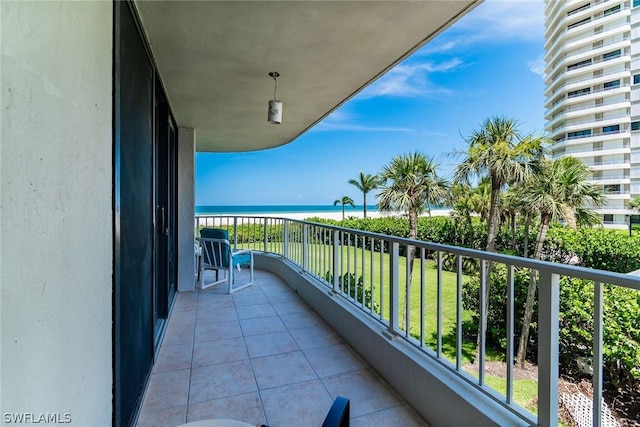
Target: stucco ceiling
213 58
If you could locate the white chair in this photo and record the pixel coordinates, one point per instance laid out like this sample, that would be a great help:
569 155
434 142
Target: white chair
217 255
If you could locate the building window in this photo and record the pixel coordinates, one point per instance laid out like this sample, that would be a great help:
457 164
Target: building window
610 129
612 10
636 77
612 55
612 84
611 189
580 9
579 64
577 24
636 3
579 133
635 125
578 92
607 218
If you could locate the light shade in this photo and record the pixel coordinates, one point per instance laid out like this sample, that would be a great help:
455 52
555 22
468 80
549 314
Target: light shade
275 112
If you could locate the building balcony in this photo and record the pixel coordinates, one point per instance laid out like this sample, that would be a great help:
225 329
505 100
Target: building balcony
561 20
261 356
280 351
619 42
562 85
608 165
577 36
589 139
621 179
586 110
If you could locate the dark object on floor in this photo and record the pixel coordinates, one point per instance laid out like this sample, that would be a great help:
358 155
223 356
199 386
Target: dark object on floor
338 415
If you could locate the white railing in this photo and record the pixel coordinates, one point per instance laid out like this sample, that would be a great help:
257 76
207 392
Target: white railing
381 288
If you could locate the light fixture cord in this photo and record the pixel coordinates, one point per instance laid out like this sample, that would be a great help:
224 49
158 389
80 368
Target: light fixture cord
275 87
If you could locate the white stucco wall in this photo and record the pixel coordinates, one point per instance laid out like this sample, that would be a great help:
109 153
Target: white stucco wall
56 210
186 208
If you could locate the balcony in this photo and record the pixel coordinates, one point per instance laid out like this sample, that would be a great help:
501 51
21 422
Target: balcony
404 355
261 356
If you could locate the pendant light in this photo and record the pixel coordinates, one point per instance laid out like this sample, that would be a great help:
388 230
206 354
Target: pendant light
275 106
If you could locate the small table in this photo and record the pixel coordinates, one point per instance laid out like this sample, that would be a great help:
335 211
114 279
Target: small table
216 423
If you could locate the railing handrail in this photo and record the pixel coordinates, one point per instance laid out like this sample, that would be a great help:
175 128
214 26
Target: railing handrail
562 269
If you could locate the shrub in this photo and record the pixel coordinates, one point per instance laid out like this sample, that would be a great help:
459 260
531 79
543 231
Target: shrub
355 288
600 248
621 333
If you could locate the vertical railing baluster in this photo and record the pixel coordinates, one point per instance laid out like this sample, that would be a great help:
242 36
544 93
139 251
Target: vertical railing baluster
364 242
510 314
381 279
336 254
394 278
482 330
422 295
285 238
459 312
598 310
548 308
439 306
266 235
305 247
235 233
348 264
407 296
371 258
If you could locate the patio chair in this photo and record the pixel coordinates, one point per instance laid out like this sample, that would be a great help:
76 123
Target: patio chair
338 415
217 255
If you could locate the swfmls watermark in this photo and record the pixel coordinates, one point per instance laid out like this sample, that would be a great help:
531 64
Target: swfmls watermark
36 417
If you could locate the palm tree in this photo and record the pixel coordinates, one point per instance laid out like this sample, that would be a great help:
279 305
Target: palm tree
635 203
410 183
560 188
346 200
497 151
365 183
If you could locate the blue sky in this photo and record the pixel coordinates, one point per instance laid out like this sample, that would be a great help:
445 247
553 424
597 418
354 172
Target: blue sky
487 64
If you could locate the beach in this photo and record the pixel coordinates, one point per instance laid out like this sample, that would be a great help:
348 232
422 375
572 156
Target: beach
338 215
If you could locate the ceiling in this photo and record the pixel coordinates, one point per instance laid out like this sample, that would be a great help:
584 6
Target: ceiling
213 58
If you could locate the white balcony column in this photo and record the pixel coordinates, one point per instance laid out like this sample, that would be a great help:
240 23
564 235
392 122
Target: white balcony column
548 321
186 206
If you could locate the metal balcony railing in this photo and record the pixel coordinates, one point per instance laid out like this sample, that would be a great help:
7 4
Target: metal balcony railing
382 275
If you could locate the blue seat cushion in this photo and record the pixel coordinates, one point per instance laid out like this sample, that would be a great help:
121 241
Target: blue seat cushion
241 259
214 249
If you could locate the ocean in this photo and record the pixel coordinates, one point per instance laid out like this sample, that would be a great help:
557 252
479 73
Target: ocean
273 209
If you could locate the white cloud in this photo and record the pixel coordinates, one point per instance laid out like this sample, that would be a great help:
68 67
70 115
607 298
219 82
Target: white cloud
345 122
537 66
411 80
498 20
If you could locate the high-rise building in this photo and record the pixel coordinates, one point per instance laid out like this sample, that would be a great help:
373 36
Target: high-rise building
592 80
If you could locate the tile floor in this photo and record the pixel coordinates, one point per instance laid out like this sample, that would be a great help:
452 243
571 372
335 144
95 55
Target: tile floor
261 356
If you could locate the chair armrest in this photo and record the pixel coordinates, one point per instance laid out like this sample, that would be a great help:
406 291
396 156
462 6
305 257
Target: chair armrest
242 251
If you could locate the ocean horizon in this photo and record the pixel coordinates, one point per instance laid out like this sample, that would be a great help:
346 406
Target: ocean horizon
274 209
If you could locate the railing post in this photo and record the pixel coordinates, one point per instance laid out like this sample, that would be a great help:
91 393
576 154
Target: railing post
336 257
305 247
394 285
598 302
235 233
285 247
548 318
266 234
